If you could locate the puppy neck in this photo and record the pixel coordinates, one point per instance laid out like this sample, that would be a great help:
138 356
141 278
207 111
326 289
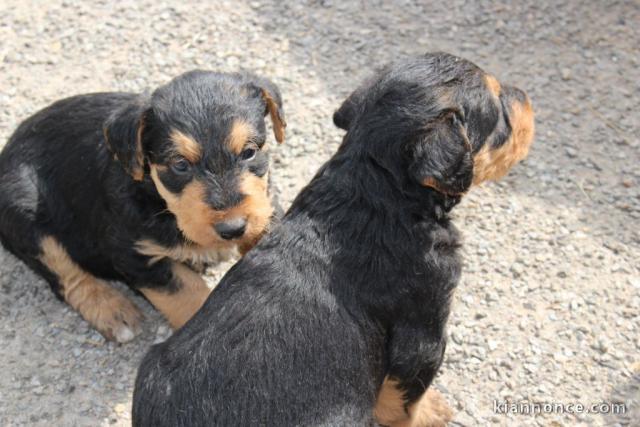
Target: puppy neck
379 167
388 188
363 196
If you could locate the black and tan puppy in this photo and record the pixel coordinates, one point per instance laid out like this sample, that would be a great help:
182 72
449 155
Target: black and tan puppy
130 187
339 313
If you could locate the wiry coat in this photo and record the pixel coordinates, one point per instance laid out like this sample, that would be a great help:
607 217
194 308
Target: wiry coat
351 288
89 184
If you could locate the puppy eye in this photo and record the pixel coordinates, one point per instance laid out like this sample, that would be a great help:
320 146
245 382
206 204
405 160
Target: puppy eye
180 166
248 153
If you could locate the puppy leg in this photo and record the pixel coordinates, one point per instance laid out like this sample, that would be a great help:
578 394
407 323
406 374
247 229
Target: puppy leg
390 410
430 410
106 309
180 303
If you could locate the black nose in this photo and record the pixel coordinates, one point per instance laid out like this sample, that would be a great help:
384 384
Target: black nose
232 228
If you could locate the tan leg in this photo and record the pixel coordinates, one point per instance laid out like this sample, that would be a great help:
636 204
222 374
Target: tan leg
431 410
390 405
181 305
105 308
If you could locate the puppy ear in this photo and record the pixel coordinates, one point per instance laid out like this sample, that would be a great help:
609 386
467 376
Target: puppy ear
274 108
344 115
350 108
442 157
123 133
273 104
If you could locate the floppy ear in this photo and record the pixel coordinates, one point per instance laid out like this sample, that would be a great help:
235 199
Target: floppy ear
344 115
123 133
442 158
273 104
351 106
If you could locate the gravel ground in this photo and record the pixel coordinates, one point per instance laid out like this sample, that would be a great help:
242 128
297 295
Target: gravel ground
548 307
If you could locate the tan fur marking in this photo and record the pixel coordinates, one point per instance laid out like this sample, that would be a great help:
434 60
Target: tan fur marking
186 146
390 404
138 169
492 84
106 309
277 120
492 164
178 307
256 207
196 218
431 410
241 132
183 253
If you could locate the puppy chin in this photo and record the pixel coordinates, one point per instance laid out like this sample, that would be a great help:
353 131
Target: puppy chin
204 240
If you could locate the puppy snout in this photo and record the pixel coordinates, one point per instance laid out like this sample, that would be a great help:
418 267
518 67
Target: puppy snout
231 228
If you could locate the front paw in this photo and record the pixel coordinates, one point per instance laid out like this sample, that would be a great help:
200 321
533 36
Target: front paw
106 309
431 410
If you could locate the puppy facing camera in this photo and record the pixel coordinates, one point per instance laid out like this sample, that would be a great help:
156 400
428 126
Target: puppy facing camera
140 188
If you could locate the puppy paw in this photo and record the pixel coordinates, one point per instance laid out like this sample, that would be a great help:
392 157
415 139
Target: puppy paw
107 310
431 410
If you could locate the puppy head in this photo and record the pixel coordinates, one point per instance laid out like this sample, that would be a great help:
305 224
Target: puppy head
201 140
452 124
